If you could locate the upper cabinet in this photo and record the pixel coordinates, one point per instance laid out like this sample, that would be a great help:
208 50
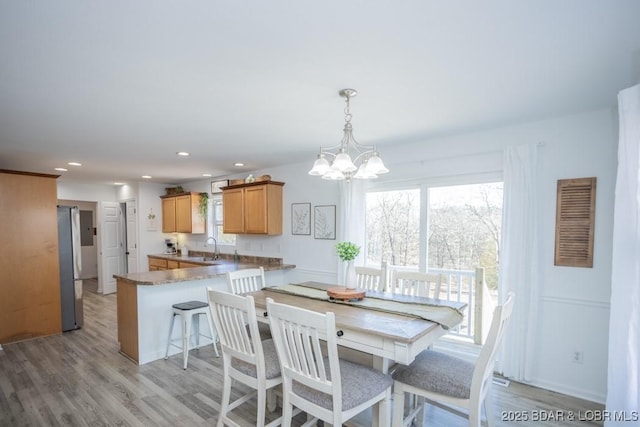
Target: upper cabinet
181 214
253 208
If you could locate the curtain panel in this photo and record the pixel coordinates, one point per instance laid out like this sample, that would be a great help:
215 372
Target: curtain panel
519 259
351 220
623 394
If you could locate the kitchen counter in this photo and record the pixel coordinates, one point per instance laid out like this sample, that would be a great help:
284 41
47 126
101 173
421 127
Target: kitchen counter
209 269
144 300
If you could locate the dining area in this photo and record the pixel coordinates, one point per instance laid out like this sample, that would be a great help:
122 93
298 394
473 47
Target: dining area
96 385
334 358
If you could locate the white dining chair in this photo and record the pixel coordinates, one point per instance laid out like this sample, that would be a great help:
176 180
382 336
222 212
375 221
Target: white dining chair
452 383
316 381
248 280
417 283
370 278
246 358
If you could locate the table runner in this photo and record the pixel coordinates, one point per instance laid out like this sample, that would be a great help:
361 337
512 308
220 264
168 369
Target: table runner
447 315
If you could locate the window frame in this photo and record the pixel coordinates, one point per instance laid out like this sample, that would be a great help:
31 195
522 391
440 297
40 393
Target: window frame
213 222
424 184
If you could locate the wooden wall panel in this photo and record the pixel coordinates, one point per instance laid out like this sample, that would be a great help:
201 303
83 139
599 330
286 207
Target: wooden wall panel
575 219
29 264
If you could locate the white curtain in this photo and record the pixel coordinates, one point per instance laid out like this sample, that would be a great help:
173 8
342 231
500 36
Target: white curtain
623 395
351 219
519 258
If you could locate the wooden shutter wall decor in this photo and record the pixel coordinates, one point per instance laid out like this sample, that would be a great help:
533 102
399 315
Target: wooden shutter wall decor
575 218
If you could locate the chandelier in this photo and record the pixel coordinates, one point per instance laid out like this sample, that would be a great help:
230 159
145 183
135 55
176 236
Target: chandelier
343 166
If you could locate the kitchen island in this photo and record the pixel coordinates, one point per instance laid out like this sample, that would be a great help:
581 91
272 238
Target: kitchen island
145 299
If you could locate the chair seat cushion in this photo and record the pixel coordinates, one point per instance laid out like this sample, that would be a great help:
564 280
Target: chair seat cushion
265 331
359 384
439 373
271 362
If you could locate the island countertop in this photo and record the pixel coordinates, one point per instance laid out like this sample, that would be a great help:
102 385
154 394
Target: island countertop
210 269
144 299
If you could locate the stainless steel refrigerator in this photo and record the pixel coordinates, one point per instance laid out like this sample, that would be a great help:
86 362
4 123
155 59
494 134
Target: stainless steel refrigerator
70 267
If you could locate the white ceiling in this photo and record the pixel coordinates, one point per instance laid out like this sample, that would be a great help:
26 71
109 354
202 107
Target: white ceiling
121 86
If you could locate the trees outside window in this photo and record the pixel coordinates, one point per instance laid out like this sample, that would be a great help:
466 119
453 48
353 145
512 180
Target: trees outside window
461 231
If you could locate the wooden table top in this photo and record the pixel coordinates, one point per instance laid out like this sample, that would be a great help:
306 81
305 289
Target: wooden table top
397 327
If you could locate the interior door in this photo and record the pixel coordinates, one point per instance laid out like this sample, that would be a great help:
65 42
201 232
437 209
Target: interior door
110 243
132 237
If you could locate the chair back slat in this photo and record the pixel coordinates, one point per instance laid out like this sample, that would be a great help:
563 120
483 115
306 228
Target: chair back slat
298 339
374 279
245 281
235 319
417 284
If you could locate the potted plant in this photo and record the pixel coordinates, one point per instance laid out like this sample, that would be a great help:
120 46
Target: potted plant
348 251
204 205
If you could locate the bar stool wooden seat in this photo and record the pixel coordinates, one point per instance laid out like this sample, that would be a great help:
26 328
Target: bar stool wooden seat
189 313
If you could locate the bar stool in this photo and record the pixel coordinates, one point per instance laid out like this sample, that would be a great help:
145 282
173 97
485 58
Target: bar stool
188 312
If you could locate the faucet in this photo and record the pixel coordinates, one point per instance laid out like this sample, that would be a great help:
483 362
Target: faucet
215 247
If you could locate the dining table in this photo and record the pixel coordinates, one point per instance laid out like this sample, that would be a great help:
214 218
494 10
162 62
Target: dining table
391 328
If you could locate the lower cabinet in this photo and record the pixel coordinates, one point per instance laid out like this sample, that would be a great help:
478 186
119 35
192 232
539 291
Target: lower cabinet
156 264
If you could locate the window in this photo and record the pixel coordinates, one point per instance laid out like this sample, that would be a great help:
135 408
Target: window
453 227
214 222
393 227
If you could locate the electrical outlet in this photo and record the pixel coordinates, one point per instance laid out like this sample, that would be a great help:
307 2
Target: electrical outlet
577 357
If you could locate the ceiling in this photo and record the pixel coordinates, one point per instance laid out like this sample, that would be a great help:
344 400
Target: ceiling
123 85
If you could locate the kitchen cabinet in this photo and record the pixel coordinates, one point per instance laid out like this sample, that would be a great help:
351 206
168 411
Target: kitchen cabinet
253 208
181 214
156 264
30 265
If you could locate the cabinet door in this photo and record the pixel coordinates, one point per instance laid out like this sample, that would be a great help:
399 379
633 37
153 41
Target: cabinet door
255 209
169 215
233 210
190 265
183 214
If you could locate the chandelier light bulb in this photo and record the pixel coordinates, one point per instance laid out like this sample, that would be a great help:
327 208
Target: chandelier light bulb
343 162
364 172
320 166
375 164
333 174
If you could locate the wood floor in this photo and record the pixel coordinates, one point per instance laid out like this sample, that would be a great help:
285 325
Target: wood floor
79 379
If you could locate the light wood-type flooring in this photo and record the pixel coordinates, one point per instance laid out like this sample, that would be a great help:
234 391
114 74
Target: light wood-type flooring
78 378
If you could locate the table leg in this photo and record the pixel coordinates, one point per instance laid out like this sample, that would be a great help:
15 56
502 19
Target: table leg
382 411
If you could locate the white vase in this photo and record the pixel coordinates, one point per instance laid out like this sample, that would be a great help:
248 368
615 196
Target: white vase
350 279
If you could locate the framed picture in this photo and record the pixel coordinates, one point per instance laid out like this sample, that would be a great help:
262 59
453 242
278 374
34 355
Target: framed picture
152 225
216 186
324 222
301 219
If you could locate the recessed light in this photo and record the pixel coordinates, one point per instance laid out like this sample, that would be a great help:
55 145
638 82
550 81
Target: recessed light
206 174
119 183
61 169
182 153
238 164
74 164
147 176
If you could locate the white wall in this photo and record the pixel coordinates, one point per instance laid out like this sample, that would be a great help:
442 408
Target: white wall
314 258
78 190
